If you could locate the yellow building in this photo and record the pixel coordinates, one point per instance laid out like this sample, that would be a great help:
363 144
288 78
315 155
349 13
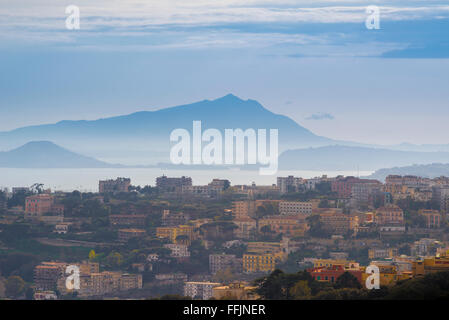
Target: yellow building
172 233
274 248
388 274
258 263
234 291
431 264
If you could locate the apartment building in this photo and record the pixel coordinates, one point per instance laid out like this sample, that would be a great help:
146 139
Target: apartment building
343 185
37 205
429 265
292 208
389 215
289 184
46 275
178 250
258 263
180 234
200 290
286 225
433 218
172 184
117 185
336 222
221 262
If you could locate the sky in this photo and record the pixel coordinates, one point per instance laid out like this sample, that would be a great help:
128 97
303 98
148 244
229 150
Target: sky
314 61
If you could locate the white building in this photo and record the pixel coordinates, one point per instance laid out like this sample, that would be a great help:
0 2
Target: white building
200 290
292 208
178 250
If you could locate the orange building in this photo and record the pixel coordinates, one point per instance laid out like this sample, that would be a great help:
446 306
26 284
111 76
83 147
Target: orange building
287 225
38 204
390 214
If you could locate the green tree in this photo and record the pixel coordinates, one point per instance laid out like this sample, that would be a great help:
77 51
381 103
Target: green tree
347 280
114 260
301 290
14 286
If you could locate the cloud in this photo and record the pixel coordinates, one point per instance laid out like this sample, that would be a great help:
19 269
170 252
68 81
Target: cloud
287 28
321 116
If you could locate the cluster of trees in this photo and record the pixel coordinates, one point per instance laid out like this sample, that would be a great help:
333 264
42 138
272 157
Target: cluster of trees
301 286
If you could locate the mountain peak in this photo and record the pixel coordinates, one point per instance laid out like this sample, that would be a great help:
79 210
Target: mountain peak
229 97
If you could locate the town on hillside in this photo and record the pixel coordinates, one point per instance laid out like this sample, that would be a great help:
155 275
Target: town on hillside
319 238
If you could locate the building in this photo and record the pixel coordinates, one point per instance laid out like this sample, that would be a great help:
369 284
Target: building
286 225
292 208
336 222
180 234
213 189
433 218
332 273
200 290
234 291
258 263
389 215
178 250
37 205
248 209
127 219
117 185
275 248
289 184
410 181
440 195
389 273
172 184
46 275
126 234
130 281
362 194
221 262
428 265
424 247
382 253
343 185
62 228
170 219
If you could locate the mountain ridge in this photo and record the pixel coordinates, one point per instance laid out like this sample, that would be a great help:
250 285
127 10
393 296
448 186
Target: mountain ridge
46 154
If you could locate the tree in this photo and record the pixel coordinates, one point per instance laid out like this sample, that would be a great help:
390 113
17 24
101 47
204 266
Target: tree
347 280
114 259
92 255
14 287
301 290
224 276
